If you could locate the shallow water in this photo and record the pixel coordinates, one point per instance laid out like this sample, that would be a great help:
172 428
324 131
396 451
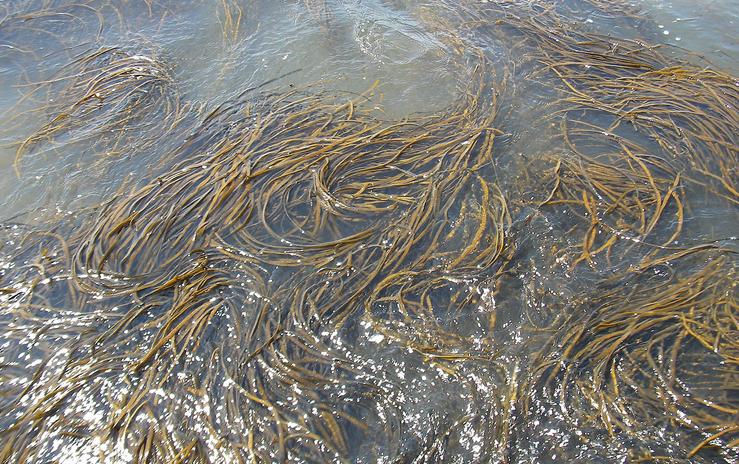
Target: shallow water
705 28
402 231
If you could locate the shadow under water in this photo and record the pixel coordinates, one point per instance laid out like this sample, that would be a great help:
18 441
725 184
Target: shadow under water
290 273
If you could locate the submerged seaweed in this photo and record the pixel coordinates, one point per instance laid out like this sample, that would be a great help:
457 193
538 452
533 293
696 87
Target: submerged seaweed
293 277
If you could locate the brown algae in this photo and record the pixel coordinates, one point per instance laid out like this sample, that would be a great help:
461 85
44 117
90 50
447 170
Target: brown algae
293 277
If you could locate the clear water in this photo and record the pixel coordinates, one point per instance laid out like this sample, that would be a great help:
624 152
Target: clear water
210 52
705 28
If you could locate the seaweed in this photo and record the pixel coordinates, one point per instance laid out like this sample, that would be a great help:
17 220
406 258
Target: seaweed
239 299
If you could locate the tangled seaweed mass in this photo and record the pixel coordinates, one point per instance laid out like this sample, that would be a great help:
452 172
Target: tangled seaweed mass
292 275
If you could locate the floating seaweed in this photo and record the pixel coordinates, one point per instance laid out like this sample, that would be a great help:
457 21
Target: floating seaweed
642 363
105 89
295 278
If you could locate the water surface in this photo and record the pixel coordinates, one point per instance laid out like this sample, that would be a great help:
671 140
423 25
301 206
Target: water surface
368 231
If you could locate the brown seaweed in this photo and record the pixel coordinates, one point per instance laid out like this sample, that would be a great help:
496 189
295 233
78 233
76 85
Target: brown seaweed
222 307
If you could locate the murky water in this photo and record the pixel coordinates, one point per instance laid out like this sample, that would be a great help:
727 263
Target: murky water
398 231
